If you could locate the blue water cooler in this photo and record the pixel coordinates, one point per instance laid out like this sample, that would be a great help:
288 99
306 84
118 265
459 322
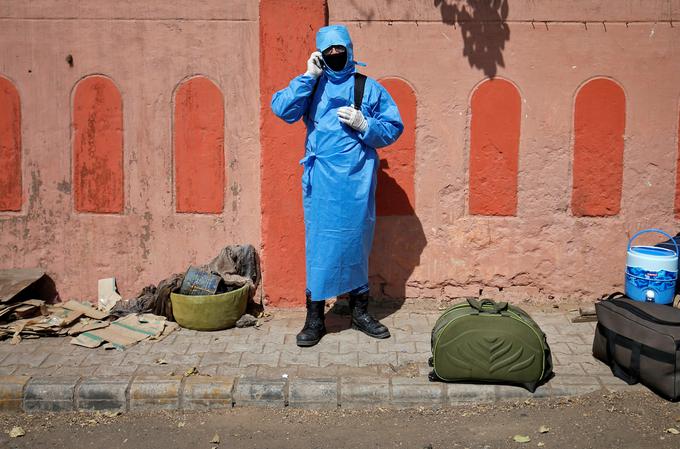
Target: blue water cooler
651 272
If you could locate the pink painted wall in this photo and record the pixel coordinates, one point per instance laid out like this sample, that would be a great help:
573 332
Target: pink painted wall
544 250
146 49
544 247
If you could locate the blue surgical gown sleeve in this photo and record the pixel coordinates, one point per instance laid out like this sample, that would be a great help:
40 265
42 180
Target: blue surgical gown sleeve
384 122
290 103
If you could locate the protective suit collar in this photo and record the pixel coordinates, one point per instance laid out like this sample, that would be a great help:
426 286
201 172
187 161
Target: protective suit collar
337 35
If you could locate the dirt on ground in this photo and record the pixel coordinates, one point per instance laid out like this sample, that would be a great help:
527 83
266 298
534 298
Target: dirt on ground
599 420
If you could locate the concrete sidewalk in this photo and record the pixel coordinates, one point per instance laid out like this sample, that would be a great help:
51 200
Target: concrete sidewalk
263 366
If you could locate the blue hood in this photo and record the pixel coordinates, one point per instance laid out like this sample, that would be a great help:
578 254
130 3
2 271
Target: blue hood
336 35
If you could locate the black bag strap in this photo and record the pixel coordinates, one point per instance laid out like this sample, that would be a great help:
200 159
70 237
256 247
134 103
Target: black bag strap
359 86
647 316
635 361
656 313
631 376
614 295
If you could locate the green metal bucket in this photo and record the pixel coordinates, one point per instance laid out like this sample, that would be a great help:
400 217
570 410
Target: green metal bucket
209 312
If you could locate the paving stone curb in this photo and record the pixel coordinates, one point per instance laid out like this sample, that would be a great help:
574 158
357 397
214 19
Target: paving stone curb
102 394
12 392
56 394
50 394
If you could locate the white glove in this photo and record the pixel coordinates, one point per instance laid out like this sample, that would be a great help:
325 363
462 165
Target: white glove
314 65
353 118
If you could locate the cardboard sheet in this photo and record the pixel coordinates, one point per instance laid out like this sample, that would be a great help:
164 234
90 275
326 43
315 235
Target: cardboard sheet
85 309
14 281
123 332
108 294
87 325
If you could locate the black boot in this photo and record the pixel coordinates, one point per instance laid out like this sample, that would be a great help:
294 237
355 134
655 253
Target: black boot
362 320
314 325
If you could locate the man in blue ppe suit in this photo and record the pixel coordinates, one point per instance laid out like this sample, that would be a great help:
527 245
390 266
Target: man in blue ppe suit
339 177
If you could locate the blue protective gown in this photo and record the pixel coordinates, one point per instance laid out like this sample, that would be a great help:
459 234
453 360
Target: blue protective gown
340 168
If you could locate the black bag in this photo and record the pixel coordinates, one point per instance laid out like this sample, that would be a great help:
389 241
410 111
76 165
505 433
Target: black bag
640 342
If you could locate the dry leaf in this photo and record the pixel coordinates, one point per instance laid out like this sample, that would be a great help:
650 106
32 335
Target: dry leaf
16 432
215 439
673 431
521 438
544 429
181 424
541 444
161 362
191 372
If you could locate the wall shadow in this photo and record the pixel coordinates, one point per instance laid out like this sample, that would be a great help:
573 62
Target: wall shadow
397 246
484 29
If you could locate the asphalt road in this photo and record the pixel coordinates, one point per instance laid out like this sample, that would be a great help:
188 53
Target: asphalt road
602 421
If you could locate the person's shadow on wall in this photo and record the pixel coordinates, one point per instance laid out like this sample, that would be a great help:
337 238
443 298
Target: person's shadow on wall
484 29
397 246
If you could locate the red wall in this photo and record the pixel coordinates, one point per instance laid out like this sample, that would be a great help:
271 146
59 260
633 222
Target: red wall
395 194
10 147
98 146
677 175
287 37
494 148
198 137
599 126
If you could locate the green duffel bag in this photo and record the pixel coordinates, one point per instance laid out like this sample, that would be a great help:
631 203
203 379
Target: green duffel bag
486 341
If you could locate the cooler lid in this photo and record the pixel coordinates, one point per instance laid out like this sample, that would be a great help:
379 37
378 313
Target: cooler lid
654 251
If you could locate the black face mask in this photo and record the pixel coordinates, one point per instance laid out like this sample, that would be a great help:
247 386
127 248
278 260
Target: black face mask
336 62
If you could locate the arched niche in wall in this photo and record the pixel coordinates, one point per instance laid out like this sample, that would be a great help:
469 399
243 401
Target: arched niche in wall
495 109
599 126
395 193
10 147
198 136
97 146
677 174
